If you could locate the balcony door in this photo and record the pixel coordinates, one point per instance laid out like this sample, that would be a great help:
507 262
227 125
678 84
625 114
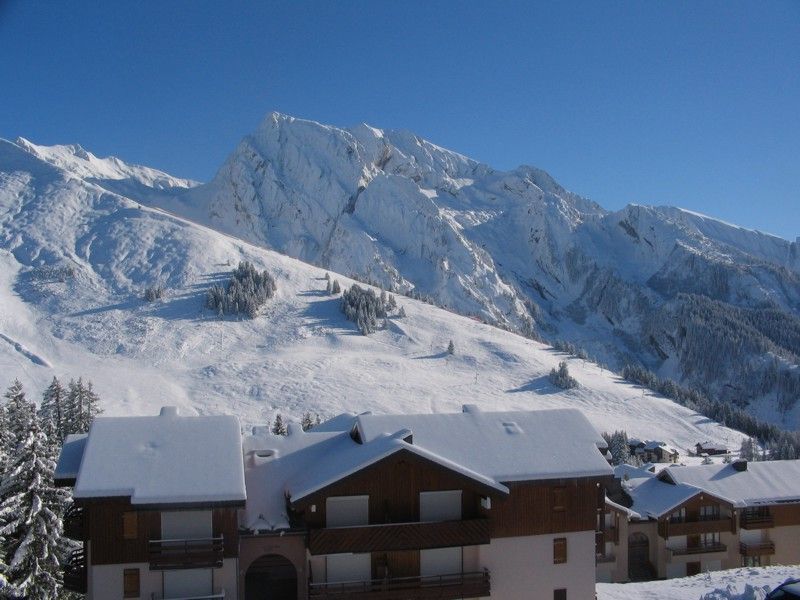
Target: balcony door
186 524
440 506
346 511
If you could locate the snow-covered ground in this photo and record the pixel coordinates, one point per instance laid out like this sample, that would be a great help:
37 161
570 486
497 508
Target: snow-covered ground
76 257
748 583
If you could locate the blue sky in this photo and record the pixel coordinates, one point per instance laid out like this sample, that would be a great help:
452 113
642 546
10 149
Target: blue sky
695 104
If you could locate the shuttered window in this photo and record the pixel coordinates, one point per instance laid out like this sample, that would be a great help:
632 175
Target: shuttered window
559 551
130 583
130 525
560 594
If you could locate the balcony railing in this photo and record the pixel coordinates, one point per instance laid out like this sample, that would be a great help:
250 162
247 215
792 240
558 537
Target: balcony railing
218 596
399 536
439 587
74 523
75 572
757 548
762 521
701 549
186 554
696 526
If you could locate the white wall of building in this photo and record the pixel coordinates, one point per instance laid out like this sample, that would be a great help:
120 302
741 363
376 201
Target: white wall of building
522 567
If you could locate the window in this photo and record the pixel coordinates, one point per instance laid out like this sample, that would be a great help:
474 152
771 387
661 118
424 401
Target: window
559 498
679 516
709 512
560 594
130 525
751 561
559 551
709 540
130 583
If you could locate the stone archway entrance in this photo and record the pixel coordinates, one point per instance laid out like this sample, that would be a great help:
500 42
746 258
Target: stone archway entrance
271 577
639 567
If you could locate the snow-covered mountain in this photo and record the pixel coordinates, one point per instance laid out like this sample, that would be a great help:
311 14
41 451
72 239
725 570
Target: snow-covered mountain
75 257
691 297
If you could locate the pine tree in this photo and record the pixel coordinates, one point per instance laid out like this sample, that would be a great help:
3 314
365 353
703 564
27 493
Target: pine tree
30 518
336 289
306 422
328 287
278 428
81 407
327 276
52 407
19 415
451 348
402 312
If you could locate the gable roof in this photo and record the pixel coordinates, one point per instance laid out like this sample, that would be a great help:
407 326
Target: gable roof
505 446
767 482
486 448
163 460
69 461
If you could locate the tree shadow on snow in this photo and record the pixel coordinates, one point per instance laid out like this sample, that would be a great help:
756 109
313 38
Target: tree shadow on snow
442 354
327 313
540 385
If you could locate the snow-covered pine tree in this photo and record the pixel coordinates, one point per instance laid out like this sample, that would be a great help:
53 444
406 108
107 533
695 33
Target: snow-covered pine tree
451 348
82 406
328 287
52 407
402 312
336 289
19 415
306 421
278 428
30 517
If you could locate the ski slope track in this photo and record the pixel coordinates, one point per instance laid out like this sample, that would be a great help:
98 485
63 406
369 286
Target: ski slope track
75 258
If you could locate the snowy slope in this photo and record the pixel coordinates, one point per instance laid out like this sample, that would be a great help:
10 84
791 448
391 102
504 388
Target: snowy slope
75 258
748 583
517 249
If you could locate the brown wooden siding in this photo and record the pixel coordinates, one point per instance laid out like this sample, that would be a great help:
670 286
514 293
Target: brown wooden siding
785 515
402 536
393 486
693 525
538 508
104 526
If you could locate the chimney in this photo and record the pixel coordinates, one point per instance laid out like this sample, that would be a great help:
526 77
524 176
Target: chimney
740 465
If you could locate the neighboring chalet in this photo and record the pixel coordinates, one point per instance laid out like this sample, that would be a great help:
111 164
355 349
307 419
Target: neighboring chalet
709 449
687 520
653 451
374 507
155 507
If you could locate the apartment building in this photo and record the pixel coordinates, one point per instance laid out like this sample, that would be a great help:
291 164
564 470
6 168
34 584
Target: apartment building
156 503
691 519
462 505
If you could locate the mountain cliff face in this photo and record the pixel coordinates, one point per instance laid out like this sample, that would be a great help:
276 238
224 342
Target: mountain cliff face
708 303
517 249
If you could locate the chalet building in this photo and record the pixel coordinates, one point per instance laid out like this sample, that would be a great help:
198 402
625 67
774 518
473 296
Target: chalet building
653 451
375 507
709 449
687 520
155 507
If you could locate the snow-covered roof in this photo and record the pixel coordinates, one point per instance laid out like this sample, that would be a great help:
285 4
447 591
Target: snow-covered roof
711 446
69 462
655 498
622 509
301 463
488 448
168 459
654 444
505 446
767 482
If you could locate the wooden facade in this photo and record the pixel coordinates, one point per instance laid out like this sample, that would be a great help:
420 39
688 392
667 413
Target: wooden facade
695 523
393 485
104 520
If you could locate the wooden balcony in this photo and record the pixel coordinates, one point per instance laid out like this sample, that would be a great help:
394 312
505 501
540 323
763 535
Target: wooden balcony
399 536
668 529
75 579
702 549
198 553
439 587
757 549
763 521
75 523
